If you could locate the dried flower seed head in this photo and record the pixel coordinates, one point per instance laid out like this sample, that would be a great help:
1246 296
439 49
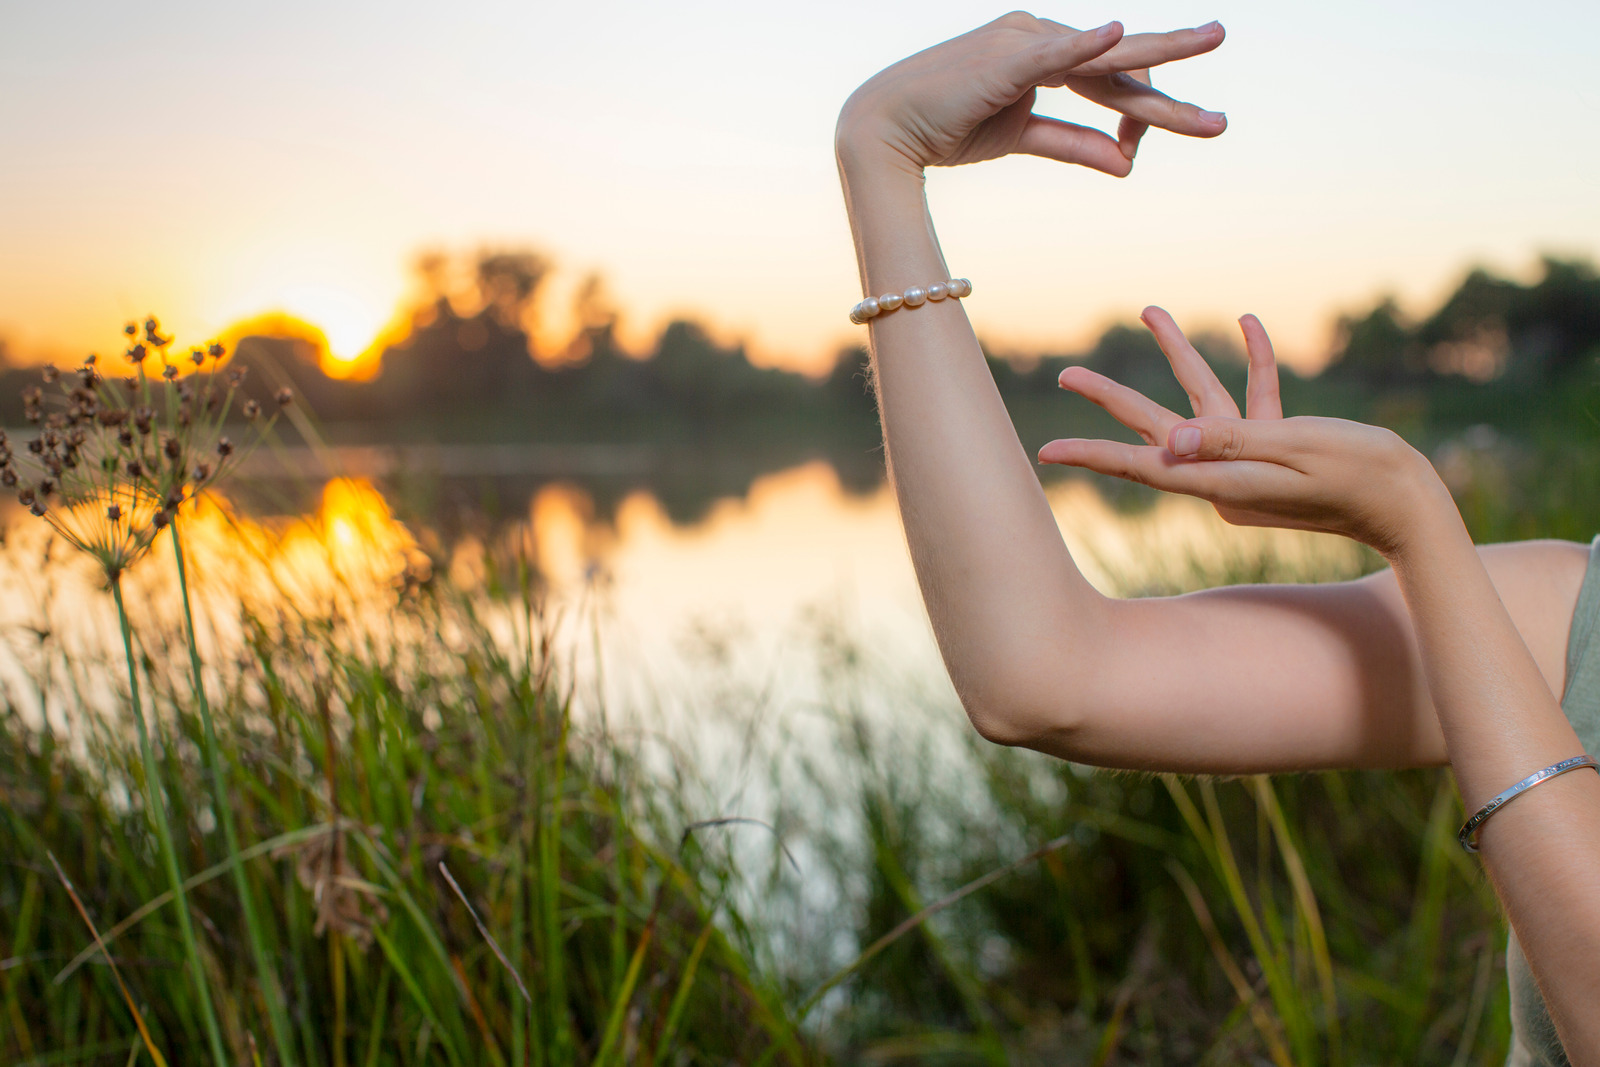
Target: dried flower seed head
130 382
161 520
135 469
88 375
56 420
46 486
197 357
51 438
169 372
224 447
137 353
125 437
8 477
112 416
90 360
76 437
285 396
202 471
38 508
236 375
213 401
70 460
33 396
36 446
142 419
53 464
251 410
215 350
50 373
25 495
131 329
114 513
173 499
172 447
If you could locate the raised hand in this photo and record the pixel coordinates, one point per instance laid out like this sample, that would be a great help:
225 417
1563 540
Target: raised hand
1312 473
971 98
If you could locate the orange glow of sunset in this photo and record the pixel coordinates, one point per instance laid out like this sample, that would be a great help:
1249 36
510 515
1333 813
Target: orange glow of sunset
297 188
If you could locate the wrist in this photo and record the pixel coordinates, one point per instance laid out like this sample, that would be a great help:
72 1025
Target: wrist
865 145
1427 521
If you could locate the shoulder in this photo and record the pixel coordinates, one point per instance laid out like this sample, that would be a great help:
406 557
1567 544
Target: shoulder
1538 582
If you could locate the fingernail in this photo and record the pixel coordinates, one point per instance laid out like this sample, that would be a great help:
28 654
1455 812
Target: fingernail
1107 30
1210 27
1215 118
1185 440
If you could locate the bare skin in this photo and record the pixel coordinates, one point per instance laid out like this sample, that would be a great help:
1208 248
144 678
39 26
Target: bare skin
1453 654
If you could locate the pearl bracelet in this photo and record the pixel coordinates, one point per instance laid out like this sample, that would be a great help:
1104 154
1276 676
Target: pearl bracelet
873 306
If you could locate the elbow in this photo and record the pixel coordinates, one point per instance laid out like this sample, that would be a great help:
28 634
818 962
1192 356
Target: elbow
1035 714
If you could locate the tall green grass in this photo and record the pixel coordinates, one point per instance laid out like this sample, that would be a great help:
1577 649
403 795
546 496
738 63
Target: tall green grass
446 867
446 864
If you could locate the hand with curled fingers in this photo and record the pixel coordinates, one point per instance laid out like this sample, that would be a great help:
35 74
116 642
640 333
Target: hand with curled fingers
971 98
1307 472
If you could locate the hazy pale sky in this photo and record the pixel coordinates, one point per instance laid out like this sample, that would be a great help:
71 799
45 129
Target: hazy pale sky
213 161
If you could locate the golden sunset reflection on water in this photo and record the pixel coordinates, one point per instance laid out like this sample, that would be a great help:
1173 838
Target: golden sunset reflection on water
647 603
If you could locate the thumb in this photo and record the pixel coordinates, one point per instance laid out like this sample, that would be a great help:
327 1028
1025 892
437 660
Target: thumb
1229 439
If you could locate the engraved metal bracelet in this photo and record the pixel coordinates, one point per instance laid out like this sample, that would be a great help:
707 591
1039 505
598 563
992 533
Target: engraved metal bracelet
1469 830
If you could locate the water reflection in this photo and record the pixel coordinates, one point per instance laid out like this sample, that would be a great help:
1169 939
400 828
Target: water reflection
652 603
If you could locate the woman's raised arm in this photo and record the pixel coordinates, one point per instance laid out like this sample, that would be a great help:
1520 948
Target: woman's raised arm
1239 679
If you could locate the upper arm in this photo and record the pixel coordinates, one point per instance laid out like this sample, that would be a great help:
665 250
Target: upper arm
1257 678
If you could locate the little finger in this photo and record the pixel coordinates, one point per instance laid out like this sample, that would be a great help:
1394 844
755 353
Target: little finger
1131 131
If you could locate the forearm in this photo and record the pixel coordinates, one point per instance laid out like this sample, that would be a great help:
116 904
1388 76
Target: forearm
1501 722
1008 606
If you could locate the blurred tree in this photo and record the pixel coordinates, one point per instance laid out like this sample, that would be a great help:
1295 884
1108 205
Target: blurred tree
1376 348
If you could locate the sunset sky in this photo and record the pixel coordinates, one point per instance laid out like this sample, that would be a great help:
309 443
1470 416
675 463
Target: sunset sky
211 162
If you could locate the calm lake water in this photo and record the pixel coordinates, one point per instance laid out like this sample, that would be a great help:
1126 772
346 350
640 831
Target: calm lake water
666 625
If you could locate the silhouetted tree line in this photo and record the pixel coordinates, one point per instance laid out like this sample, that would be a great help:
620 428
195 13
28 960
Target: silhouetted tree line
469 365
1488 328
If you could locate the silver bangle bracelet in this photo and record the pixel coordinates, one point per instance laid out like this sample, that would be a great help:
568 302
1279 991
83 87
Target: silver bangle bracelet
1469 829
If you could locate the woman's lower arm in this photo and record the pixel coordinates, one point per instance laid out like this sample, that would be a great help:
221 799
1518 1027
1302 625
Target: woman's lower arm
1501 722
1007 603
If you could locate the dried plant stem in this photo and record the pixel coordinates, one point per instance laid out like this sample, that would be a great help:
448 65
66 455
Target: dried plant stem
169 856
271 992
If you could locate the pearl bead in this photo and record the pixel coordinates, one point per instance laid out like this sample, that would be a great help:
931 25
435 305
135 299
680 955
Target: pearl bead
855 315
915 296
959 287
938 291
869 307
889 301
